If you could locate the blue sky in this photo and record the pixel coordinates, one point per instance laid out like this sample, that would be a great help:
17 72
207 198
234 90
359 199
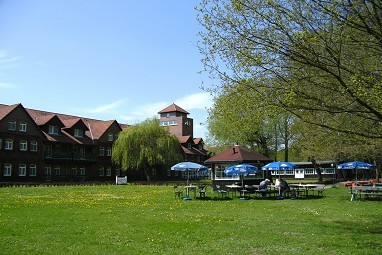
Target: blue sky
123 60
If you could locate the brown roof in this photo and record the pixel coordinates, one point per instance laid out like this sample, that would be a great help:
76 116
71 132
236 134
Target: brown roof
193 151
71 122
238 154
198 140
96 128
183 139
42 120
6 109
173 108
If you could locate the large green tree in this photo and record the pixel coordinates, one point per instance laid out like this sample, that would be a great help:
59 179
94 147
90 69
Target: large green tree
318 59
146 146
239 115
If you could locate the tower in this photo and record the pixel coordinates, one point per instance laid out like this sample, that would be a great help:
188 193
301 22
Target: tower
175 118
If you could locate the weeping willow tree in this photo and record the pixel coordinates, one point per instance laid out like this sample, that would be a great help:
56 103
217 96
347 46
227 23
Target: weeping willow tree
145 147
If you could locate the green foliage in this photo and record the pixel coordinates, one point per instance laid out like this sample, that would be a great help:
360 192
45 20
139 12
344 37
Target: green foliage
146 146
326 144
240 115
134 219
320 60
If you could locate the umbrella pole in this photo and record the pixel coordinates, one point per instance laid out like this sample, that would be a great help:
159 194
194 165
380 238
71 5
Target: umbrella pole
242 184
188 180
279 183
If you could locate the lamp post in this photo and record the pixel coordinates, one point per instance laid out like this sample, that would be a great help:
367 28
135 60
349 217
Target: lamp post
334 172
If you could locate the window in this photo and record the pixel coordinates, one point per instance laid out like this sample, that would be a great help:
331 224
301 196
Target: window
23 145
53 130
1 143
8 144
8 170
57 170
23 127
32 170
189 145
101 151
101 171
78 133
200 146
33 146
22 170
309 171
82 170
48 170
12 125
329 171
74 170
108 171
108 151
169 123
110 137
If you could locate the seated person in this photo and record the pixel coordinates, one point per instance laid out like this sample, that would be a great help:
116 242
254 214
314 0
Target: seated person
277 183
284 187
263 187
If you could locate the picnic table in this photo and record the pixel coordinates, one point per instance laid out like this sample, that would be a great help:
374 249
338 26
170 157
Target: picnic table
365 192
307 189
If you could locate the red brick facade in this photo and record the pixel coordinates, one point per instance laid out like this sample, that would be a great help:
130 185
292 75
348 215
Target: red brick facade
38 146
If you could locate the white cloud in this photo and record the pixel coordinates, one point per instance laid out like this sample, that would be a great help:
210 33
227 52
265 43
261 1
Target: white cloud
7 85
6 62
5 59
107 107
143 112
195 101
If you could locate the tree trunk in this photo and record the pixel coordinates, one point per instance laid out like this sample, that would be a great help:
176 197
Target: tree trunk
148 174
317 168
286 140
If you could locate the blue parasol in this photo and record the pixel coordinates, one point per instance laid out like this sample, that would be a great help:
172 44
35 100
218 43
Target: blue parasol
355 165
187 166
242 169
276 166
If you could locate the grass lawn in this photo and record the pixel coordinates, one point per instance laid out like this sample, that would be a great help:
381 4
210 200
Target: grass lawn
136 219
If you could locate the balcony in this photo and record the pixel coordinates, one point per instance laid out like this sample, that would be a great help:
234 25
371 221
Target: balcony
69 156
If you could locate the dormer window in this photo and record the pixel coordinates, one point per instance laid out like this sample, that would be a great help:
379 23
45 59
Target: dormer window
12 125
53 130
189 145
23 127
78 132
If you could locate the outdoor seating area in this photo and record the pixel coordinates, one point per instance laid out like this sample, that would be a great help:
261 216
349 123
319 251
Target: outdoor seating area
364 190
236 190
190 191
294 191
